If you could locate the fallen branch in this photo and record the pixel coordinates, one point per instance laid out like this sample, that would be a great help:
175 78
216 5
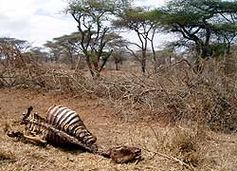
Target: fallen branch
166 156
170 158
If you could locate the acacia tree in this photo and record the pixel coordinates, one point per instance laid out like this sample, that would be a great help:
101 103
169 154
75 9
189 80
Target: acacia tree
66 45
11 50
38 54
202 22
54 49
142 23
223 23
226 34
21 45
92 17
119 49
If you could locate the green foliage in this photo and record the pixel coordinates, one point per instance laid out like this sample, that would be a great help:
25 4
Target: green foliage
94 29
203 22
143 23
135 18
66 45
225 28
184 13
219 49
97 8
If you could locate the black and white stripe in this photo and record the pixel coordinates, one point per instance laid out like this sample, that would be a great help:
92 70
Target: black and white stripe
64 126
69 121
63 119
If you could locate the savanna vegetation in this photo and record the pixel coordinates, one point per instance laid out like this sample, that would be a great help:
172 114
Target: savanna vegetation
177 102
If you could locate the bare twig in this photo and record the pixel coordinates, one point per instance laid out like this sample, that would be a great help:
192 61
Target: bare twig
171 158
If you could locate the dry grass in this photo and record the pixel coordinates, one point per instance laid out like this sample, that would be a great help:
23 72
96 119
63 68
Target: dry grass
182 120
198 147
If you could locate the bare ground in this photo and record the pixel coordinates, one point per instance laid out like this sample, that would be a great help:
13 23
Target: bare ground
218 151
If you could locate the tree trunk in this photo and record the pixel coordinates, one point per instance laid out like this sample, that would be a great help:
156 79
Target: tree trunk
205 52
71 60
143 61
153 51
116 66
77 68
88 61
143 67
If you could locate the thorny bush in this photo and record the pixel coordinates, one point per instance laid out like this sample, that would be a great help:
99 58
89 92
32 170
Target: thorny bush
174 94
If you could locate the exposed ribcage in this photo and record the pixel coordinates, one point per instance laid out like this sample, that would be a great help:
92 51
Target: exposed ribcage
68 121
36 125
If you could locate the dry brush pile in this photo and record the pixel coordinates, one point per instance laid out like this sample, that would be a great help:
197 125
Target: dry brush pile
174 94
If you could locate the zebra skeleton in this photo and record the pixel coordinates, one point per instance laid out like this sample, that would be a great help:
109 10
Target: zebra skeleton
62 126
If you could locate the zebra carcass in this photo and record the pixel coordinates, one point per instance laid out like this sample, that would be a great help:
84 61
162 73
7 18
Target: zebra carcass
63 126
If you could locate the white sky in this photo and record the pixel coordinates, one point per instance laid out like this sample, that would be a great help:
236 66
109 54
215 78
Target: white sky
40 20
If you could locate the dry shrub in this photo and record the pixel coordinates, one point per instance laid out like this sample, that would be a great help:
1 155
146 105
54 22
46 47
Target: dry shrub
182 145
6 157
174 94
19 69
186 144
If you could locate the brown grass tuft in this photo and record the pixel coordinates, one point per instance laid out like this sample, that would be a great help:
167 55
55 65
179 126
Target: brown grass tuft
6 157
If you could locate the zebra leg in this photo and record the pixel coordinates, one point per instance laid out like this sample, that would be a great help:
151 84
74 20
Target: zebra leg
35 140
26 138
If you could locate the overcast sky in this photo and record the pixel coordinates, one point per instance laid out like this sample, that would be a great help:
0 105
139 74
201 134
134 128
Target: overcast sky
40 20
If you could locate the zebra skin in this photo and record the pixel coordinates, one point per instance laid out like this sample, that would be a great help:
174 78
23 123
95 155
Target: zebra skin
69 121
62 126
